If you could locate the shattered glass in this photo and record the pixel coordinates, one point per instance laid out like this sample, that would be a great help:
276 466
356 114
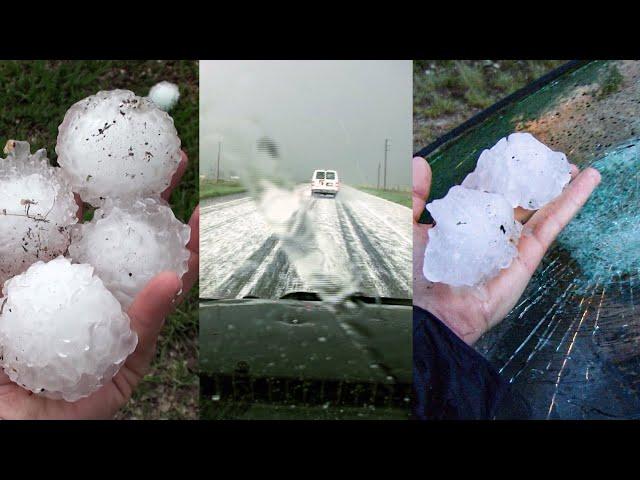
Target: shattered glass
570 345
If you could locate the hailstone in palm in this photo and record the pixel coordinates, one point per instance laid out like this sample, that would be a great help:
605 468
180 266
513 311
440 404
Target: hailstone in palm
62 333
165 95
474 237
525 171
37 209
114 145
129 242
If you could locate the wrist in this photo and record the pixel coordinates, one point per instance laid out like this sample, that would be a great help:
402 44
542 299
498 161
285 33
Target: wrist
469 328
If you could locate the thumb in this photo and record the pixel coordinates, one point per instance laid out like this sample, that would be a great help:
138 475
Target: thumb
421 186
148 312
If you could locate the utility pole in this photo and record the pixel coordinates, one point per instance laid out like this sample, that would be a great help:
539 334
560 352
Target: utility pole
387 146
218 169
378 184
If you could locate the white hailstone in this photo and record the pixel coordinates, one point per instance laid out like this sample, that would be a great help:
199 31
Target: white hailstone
525 171
129 242
115 144
165 95
62 333
36 210
475 235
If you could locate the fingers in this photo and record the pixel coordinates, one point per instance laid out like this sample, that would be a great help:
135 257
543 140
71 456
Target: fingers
537 236
574 170
421 186
189 279
80 211
182 167
522 214
548 222
148 312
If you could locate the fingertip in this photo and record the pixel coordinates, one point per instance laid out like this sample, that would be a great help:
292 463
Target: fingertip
593 174
573 170
422 166
194 224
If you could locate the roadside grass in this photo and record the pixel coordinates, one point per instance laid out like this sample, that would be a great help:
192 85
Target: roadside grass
448 92
402 197
35 96
210 188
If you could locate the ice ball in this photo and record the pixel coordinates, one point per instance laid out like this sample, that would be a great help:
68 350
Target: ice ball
115 145
129 242
527 172
474 237
62 333
165 95
37 209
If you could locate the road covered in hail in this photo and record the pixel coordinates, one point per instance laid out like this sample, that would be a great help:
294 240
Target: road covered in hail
240 256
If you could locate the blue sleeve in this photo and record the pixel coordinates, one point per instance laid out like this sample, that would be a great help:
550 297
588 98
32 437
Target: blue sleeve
451 379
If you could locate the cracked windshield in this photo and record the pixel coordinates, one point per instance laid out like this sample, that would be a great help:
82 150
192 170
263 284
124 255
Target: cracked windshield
569 345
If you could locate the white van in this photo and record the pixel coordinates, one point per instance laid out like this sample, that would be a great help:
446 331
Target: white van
325 181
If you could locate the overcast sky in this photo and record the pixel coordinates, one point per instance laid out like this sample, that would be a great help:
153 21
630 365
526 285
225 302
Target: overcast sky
322 114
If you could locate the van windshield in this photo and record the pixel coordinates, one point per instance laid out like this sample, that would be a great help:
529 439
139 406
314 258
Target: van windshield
331 175
319 175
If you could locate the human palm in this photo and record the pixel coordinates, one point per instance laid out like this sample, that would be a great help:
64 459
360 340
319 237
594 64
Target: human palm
147 313
471 311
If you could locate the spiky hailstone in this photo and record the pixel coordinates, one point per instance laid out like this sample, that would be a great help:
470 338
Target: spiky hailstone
475 236
129 243
36 210
165 95
115 144
525 171
62 333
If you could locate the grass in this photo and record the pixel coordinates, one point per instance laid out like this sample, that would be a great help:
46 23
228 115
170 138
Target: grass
403 197
35 96
612 82
448 92
210 188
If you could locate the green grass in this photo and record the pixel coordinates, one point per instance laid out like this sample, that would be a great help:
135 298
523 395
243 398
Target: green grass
211 188
612 82
448 92
403 197
35 96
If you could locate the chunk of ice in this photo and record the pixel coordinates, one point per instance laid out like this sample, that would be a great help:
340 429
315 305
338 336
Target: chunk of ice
37 209
165 95
525 171
62 333
129 242
475 236
115 145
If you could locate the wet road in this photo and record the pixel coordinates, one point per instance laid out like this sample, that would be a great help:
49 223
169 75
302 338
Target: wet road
240 256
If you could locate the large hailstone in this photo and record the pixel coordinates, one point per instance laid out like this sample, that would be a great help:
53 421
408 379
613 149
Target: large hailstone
115 144
129 242
165 95
62 333
525 171
37 209
475 236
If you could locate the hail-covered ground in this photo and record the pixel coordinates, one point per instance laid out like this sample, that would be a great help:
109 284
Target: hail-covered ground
369 236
